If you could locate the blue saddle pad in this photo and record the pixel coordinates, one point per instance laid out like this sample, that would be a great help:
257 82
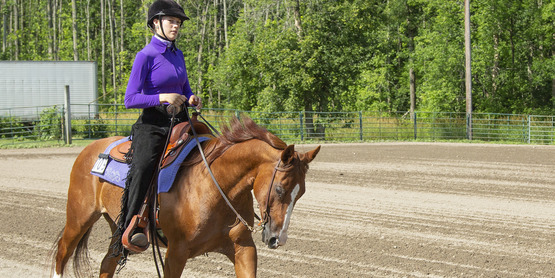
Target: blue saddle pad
115 172
110 170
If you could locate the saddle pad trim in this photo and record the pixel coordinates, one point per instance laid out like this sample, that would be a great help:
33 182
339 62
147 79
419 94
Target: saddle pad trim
167 175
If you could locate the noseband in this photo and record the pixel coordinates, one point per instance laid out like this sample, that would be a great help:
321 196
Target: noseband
266 217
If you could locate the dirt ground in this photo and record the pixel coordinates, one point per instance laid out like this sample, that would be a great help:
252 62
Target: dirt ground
370 210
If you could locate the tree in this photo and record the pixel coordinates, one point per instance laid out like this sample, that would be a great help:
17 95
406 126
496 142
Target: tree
320 56
74 28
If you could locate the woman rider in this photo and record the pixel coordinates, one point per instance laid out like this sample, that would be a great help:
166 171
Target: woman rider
158 79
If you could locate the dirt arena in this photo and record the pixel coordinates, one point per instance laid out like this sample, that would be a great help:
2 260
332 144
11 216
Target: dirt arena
370 210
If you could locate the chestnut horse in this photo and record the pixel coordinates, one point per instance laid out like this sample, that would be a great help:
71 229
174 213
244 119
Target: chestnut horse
193 215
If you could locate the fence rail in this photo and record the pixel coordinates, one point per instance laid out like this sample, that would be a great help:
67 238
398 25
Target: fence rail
47 123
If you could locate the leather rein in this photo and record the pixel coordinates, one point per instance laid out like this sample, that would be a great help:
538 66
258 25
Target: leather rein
262 222
266 218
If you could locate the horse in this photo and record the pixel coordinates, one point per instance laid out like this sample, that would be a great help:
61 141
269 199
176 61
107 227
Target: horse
246 160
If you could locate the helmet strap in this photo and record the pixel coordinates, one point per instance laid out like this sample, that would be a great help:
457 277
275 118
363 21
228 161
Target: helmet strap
172 47
162 27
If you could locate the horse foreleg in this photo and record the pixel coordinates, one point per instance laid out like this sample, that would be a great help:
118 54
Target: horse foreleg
176 258
245 258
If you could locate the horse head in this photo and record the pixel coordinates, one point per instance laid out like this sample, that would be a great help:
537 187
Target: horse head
278 192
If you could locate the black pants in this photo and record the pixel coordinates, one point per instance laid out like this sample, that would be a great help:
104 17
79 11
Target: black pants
149 135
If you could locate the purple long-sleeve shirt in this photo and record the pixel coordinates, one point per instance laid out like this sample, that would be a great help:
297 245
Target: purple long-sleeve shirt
156 70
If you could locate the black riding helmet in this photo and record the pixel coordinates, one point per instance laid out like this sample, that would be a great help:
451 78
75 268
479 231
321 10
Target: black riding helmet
165 7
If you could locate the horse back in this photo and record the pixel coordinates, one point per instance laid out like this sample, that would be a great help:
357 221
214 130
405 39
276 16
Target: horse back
89 191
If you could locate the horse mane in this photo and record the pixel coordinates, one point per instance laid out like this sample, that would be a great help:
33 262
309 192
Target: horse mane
238 130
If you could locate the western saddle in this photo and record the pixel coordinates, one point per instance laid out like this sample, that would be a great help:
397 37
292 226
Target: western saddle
181 135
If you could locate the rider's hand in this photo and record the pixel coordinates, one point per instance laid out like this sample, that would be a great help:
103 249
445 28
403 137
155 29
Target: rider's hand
195 101
174 99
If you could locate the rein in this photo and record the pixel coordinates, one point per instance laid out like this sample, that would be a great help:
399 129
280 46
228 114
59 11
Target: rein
266 218
250 228
262 222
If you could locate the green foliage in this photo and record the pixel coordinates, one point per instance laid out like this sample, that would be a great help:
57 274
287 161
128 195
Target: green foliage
347 55
96 128
11 127
49 125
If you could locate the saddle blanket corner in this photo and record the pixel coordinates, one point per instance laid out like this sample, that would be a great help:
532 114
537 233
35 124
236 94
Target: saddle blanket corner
115 172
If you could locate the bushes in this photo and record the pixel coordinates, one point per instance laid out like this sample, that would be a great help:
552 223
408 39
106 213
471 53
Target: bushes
11 127
95 128
50 126
47 127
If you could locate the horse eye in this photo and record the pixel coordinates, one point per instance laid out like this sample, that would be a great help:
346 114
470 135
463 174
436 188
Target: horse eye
280 191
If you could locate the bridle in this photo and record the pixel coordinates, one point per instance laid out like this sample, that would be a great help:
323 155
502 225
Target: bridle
266 217
262 222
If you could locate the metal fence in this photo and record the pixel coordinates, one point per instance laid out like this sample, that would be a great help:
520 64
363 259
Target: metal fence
47 123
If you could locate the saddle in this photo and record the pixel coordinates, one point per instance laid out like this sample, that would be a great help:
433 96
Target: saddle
181 134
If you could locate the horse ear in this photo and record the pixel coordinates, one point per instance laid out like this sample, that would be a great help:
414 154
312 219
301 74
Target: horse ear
309 156
288 154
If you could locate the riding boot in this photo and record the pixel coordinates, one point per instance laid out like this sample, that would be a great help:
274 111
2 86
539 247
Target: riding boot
148 135
147 145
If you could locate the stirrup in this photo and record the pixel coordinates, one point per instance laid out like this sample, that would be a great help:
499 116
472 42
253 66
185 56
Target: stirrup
137 222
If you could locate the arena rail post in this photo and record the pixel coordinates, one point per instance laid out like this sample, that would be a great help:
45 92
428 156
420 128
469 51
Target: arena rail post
415 125
67 116
301 125
360 125
529 130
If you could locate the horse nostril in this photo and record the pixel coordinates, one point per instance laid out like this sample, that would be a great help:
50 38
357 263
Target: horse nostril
273 242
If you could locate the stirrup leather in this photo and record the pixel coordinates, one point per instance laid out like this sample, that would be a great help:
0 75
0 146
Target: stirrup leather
138 221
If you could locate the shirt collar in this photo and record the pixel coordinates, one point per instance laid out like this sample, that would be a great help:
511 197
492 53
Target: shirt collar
161 44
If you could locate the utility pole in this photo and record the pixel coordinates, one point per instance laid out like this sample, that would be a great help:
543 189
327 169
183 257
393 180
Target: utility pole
468 75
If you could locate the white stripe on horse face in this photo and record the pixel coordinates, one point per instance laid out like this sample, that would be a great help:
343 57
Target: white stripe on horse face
283 233
56 275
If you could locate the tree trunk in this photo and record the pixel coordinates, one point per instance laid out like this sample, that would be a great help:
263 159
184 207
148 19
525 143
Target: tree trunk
309 120
145 9
59 28
103 42
412 89
74 27
225 24
112 45
553 83
411 32
495 69
215 48
4 26
297 14
201 46
16 29
553 91
88 12
122 45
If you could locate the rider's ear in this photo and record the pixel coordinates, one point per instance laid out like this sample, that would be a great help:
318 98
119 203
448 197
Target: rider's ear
288 154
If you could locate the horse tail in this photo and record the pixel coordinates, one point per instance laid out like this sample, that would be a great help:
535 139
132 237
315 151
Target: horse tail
80 255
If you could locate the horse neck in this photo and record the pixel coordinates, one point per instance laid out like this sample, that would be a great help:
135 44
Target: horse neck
241 163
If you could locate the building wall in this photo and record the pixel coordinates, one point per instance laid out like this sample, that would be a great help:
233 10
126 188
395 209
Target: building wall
25 84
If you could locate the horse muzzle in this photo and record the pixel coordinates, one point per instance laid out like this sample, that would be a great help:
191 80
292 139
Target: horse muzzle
273 240
273 243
